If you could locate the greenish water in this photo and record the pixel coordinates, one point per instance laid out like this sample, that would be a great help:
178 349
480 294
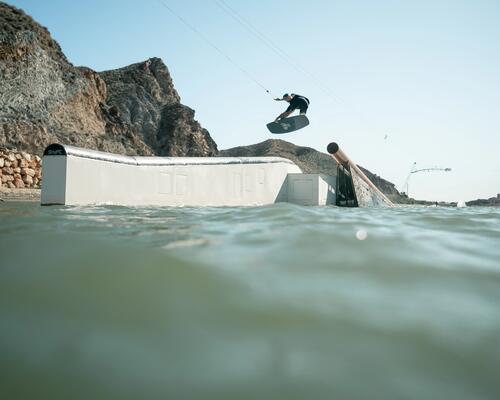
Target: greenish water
278 302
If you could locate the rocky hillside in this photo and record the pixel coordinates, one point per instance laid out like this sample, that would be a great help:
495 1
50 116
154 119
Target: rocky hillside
388 188
309 160
45 99
144 96
490 202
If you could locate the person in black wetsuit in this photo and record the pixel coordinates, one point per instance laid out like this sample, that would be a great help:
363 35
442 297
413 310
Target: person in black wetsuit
296 102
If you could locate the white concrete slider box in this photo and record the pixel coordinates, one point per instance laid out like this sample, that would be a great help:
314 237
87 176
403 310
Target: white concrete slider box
311 189
74 176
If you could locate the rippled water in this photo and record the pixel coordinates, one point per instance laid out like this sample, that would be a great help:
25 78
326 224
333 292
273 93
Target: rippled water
277 302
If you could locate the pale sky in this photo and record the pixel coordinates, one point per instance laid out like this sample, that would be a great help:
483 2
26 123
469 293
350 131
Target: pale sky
424 73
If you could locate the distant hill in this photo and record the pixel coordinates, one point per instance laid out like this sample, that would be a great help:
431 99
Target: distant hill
491 202
309 160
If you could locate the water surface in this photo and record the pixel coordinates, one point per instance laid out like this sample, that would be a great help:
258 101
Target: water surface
276 302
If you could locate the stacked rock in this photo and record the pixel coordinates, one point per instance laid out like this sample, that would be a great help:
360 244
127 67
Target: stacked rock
19 169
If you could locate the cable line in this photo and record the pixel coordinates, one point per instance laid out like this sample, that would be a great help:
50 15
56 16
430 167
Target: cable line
273 47
216 48
319 83
230 11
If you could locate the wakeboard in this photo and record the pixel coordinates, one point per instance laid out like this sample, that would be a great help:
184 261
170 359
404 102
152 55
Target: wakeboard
287 125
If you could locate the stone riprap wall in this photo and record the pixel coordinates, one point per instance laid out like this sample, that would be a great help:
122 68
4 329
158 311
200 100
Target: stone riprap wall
19 169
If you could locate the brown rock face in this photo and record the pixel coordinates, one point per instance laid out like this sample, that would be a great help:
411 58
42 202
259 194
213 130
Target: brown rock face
144 96
45 99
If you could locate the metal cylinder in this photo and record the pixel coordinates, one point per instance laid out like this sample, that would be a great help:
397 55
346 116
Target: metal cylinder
340 157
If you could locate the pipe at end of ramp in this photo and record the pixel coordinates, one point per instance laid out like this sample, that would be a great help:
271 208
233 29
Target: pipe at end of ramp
341 158
338 155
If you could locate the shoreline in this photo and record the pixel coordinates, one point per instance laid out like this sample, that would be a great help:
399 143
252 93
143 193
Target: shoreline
28 195
34 195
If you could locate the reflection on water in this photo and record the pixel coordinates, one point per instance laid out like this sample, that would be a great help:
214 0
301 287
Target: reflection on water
233 303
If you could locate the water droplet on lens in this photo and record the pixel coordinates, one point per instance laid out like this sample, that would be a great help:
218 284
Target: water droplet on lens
361 234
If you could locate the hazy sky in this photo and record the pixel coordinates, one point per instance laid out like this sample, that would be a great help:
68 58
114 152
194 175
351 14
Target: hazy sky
425 73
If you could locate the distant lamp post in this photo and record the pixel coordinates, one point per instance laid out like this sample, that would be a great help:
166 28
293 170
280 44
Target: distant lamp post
415 170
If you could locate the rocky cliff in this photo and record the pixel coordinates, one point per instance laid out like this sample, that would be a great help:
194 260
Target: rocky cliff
45 99
490 202
144 97
309 160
